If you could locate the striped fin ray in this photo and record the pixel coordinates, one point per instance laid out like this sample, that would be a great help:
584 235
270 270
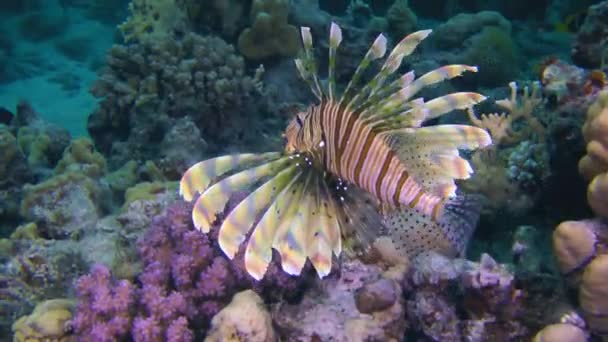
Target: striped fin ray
376 50
440 137
213 200
400 100
430 154
198 177
307 66
258 253
404 48
322 231
447 103
290 238
328 213
440 74
422 112
237 224
370 107
335 38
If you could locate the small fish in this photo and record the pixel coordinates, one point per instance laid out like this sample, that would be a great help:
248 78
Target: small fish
6 116
305 202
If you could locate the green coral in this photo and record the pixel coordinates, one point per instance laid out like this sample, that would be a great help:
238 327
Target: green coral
123 178
401 19
81 157
495 53
28 231
152 19
35 145
47 322
10 152
147 191
269 34
62 204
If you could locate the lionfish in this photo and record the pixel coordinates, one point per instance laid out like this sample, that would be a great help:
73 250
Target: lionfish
347 159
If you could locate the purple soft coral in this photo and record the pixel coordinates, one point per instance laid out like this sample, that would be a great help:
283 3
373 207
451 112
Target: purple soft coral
103 309
186 280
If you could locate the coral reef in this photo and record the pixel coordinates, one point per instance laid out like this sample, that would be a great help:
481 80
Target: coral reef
50 320
153 19
492 303
561 332
511 177
362 301
580 248
103 307
156 91
14 172
63 206
244 319
31 147
486 37
459 28
528 166
401 19
81 157
594 133
184 283
590 49
34 269
269 34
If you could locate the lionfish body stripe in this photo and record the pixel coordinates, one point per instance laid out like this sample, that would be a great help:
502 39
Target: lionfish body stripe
371 138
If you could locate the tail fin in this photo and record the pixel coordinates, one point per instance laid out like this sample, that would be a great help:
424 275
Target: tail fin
414 232
460 218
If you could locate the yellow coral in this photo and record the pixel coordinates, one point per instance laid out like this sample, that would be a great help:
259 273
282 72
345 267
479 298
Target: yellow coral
573 245
81 157
147 191
48 322
35 145
152 19
123 178
499 125
593 294
27 231
269 34
244 319
595 132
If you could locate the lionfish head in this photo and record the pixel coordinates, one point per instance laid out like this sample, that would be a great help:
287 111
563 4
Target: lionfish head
299 137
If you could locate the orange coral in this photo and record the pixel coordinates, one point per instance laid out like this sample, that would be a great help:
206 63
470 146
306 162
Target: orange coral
595 133
500 125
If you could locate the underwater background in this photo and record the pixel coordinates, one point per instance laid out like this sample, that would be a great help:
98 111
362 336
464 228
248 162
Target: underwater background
105 104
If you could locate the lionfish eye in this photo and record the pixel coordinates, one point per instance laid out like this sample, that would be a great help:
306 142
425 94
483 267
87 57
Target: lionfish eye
299 121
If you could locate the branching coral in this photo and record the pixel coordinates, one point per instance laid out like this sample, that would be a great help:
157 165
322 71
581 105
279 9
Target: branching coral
502 174
195 86
500 125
